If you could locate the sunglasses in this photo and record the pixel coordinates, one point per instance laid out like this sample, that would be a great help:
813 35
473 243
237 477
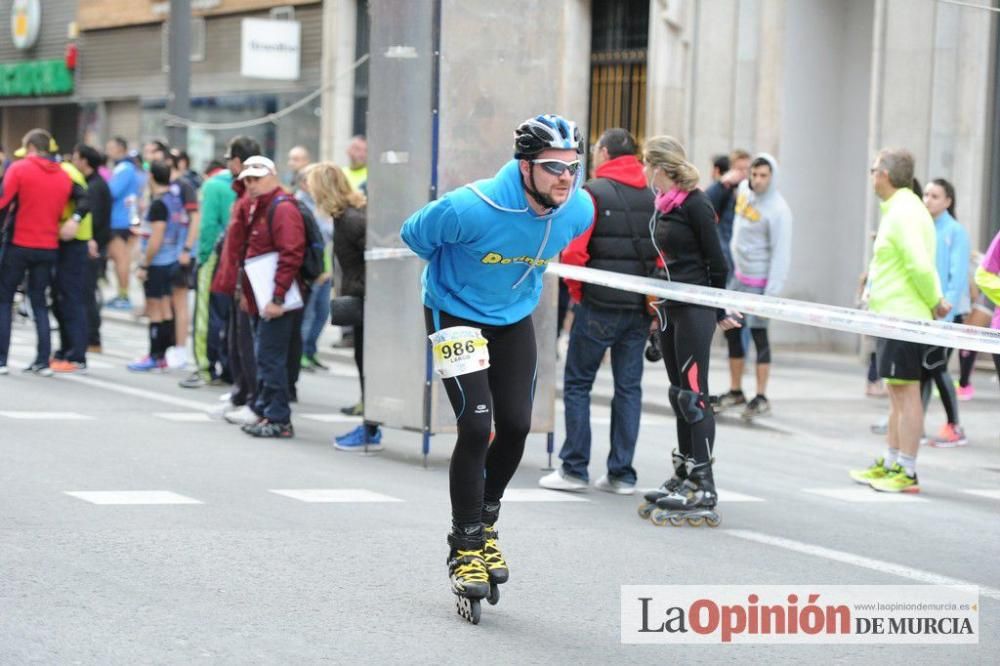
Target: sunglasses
558 167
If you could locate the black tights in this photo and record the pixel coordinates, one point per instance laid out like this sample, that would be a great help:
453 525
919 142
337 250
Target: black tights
686 345
936 371
359 360
499 396
734 338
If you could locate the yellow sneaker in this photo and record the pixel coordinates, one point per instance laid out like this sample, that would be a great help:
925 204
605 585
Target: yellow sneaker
897 481
867 475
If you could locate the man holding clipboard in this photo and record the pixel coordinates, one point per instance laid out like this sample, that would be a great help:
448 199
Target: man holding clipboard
268 243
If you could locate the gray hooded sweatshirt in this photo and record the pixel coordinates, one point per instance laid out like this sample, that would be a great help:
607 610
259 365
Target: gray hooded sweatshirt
762 234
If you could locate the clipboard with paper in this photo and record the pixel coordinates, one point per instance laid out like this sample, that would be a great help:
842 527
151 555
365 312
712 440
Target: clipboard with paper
260 271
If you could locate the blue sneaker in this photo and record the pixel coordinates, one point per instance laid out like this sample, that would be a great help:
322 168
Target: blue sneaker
358 439
147 364
119 303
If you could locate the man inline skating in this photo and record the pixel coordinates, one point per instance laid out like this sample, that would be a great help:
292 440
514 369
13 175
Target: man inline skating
487 245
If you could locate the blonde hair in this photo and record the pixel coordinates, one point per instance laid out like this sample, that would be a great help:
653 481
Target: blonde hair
667 153
331 190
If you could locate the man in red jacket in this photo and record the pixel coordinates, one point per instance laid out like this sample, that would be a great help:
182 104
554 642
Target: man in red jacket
604 318
251 235
35 192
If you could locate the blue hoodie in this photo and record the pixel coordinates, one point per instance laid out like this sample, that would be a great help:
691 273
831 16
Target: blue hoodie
126 187
952 261
483 244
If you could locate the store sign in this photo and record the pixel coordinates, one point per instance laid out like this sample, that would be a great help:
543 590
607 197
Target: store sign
35 78
25 19
271 49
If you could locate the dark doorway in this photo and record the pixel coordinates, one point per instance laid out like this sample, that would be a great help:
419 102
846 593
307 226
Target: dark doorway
619 37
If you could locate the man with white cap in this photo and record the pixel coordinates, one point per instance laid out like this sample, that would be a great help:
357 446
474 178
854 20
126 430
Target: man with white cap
269 222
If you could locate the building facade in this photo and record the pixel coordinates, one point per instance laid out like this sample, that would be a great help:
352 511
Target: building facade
123 76
37 87
822 85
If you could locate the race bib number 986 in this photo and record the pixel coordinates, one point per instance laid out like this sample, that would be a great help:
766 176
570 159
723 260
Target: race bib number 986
459 350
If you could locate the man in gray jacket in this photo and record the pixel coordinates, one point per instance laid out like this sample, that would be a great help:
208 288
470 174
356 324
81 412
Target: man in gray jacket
761 252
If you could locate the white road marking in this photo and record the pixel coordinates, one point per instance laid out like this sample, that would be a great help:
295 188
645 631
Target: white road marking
330 418
183 417
873 564
601 415
27 358
353 495
990 494
132 497
342 370
140 393
47 416
727 496
860 494
540 495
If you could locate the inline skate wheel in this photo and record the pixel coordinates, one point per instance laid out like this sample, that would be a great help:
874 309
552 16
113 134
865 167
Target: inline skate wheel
494 596
468 608
645 510
659 518
676 521
713 521
696 521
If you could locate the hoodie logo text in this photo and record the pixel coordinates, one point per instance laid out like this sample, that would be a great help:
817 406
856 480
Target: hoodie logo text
745 210
497 258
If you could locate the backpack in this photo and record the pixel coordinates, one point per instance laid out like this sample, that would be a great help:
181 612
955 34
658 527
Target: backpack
313 260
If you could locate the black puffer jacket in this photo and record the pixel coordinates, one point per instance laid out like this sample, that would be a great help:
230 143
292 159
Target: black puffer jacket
349 230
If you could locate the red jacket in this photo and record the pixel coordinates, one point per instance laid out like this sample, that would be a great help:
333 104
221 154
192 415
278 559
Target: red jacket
248 227
41 189
626 170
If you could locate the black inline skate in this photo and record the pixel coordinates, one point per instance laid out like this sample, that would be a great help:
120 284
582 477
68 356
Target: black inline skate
496 565
668 487
470 579
693 503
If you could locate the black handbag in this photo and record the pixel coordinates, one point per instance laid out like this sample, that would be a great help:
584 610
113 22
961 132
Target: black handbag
347 311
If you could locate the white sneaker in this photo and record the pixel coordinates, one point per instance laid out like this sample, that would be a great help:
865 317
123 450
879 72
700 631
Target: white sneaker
559 481
219 411
4 370
226 397
242 416
615 486
176 358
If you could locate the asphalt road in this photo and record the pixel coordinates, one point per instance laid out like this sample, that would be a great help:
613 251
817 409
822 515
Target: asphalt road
241 556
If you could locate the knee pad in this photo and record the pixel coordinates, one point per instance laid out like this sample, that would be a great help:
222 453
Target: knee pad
734 339
689 404
760 341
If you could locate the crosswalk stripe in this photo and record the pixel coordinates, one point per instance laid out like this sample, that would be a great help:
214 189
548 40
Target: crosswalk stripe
46 416
26 358
540 495
335 495
183 417
134 497
863 495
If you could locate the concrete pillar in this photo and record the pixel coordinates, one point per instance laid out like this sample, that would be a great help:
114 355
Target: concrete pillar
339 40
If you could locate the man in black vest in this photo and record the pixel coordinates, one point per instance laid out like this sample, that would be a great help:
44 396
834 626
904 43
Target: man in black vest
606 318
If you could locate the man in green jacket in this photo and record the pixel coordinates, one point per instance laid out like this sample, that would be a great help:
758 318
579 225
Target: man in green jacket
904 283
217 198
